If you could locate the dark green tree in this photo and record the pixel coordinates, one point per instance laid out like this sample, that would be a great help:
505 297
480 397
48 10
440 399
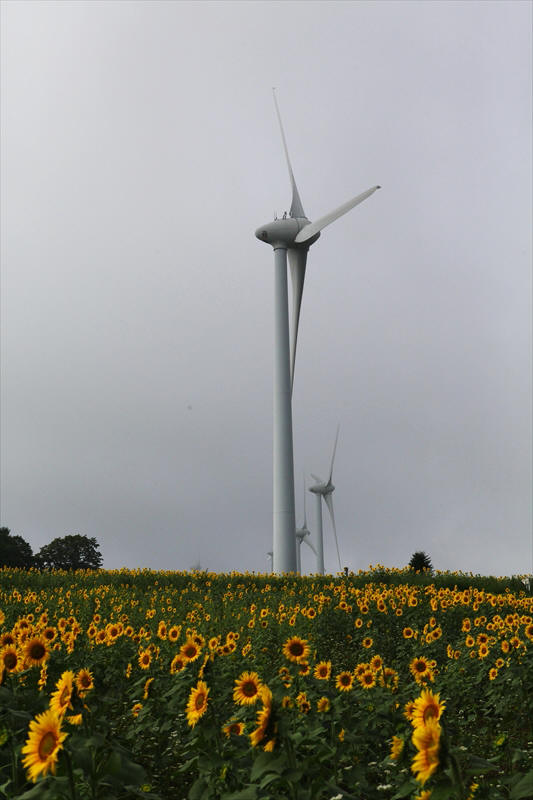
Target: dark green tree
421 562
15 551
70 552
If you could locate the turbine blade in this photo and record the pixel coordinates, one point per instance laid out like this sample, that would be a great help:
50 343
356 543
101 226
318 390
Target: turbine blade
297 262
328 499
314 227
333 456
296 205
311 545
317 479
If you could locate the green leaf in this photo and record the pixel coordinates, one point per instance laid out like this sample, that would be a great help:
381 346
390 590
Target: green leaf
404 790
250 793
267 762
197 789
524 787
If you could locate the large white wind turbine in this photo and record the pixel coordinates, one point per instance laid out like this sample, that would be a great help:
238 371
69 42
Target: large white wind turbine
301 536
292 236
323 490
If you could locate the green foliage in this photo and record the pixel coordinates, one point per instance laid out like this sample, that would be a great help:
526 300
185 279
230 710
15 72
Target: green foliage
14 551
70 553
421 562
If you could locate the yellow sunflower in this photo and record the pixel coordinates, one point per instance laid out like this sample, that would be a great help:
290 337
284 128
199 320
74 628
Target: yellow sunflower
60 699
145 659
367 679
322 671
396 747
233 728
36 651
296 649
177 664
84 682
344 681
263 718
43 744
419 668
190 650
427 706
11 658
323 704
197 703
426 739
247 688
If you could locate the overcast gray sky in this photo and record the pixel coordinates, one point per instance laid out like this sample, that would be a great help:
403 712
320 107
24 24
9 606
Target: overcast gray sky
140 151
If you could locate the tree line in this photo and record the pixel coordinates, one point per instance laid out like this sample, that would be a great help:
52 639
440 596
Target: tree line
65 552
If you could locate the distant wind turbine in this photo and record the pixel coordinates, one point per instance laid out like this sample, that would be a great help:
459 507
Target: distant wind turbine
323 490
292 236
301 536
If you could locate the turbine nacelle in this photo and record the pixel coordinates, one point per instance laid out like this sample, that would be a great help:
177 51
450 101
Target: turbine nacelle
284 232
322 488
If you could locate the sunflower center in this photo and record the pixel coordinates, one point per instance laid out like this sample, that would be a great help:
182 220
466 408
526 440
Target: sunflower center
249 689
296 649
190 651
200 701
37 651
64 696
430 712
10 661
47 745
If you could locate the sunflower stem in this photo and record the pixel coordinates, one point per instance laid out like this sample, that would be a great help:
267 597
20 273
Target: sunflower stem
70 774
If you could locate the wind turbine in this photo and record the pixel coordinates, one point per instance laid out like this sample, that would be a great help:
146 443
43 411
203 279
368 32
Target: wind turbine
301 536
293 235
323 491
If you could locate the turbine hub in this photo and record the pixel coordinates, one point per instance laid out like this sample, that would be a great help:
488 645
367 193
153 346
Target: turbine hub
283 232
322 488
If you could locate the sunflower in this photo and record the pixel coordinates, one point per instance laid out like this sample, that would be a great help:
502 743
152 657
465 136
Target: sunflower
60 699
49 634
322 671
426 739
419 668
136 708
11 658
36 651
396 748
247 688
367 642
323 704
84 682
145 659
177 664
408 633
263 719
43 744
427 706
376 662
233 727
344 681
197 703
190 650
367 679
492 673
296 649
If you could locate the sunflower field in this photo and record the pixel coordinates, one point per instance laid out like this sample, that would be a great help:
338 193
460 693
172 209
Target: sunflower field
183 686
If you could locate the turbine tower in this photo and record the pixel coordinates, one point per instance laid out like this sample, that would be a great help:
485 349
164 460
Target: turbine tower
323 490
291 236
301 536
